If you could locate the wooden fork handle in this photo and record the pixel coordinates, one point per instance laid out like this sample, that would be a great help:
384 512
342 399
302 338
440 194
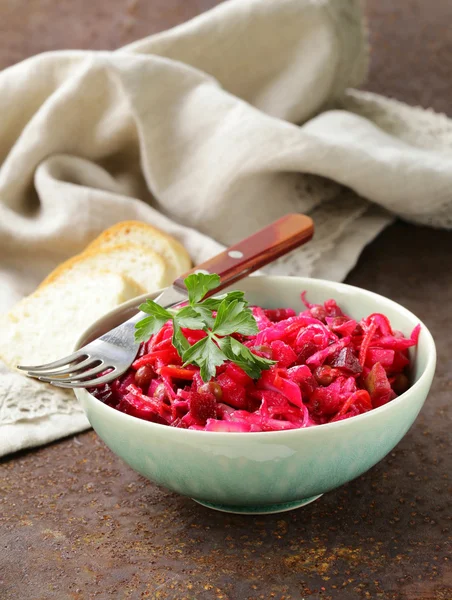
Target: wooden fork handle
265 246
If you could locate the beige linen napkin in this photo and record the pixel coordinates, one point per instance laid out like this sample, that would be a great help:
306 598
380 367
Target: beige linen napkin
208 131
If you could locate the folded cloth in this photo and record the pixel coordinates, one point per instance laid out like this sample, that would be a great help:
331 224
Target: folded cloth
208 131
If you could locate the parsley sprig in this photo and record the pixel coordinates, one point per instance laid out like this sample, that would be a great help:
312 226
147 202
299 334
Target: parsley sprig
233 315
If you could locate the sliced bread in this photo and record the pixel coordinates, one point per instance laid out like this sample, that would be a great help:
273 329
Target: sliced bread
144 266
136 232
45 325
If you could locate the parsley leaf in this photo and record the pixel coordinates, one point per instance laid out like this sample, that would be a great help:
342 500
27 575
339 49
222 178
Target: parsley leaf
152 308
152 324
207 355
188 317
244 358
205 314
234 317
198 284
214 302
179 340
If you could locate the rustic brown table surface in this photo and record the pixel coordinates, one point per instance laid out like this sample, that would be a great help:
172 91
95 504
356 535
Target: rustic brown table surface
77 523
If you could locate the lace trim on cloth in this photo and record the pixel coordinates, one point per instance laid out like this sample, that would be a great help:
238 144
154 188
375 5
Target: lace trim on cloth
24 399
332 217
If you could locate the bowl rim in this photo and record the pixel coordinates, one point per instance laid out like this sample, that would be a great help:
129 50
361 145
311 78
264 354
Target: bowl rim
427 373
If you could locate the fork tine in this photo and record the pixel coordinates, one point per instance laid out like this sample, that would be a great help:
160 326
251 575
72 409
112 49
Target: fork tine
74 369
84 384
78 376
62 362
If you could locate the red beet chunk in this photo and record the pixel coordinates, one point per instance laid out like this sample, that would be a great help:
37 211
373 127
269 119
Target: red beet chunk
324 402
383 356
347 361
283 354
203 406
233 393
306 351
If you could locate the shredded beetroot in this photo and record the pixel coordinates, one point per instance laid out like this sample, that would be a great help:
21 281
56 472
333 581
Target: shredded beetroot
329 367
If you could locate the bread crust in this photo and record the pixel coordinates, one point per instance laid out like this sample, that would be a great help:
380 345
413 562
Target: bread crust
173 249
92 255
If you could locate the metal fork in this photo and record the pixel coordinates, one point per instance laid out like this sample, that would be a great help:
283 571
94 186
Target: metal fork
115 350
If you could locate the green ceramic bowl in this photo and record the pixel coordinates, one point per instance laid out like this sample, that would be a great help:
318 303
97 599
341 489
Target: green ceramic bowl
270 471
